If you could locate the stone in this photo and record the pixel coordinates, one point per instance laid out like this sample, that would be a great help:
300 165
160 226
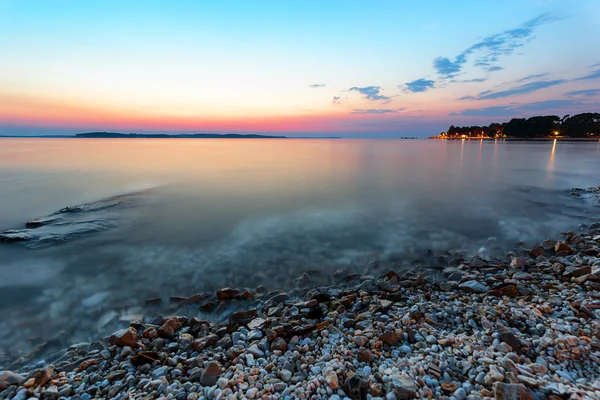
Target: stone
523 276
473 286
332 381
168 328
511 391
578 272
42 376
207 341
361 341
389 337
562 247
356 387
477 263
211 374
449 387
517 263
510 339
279 344
404 386
365 356
242 317
124 337
227 293
8 378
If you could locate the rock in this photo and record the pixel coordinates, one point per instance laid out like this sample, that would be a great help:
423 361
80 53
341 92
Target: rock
207 341
510 339
332 381
389 337
511 391
404 386
42 376
517 263
578 272
477 263
168 328
50 394
8 378
242 317
365 356
562 247
473 286
537 251
279 344
522 276
211 374
449 387
227 293
356 387
361 341
124 337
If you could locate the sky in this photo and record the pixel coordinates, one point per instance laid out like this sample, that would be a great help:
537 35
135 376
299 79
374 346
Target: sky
300 68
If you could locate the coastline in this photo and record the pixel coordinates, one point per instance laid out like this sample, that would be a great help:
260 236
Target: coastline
521 326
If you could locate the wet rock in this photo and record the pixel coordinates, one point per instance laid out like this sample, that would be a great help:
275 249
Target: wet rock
477 263
562 247
227 293
168 328
42 376
8 378
578 272
242 317
124 337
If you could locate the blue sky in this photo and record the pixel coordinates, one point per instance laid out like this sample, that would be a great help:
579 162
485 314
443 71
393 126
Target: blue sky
353 68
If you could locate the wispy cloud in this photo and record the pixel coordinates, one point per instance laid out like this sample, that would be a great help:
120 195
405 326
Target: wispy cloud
370 93
516 109
585 93
337 100
375 111
522 89
593 75
530 77
316 85
420 85
491 48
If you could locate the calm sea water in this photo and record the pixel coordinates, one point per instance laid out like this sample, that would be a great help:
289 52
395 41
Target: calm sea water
207 213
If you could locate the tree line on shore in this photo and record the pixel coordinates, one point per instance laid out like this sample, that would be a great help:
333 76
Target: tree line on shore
586 125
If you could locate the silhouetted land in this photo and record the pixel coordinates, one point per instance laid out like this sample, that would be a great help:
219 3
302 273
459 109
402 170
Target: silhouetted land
113 135
580 126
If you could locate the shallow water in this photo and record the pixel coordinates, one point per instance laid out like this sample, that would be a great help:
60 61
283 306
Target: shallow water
210 213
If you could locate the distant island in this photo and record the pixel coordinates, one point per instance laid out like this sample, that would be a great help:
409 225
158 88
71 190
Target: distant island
580 126
114 135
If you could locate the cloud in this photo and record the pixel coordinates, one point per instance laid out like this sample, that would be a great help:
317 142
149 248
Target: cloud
337 99
370 93
530 77
316 85
474 80
375 111
586 92
420 85
516 109
491 48
523 89
595 65
593 75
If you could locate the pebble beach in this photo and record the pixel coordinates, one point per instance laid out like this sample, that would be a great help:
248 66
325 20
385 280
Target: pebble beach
521 326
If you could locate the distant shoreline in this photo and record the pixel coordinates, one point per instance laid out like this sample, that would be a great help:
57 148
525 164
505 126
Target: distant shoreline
111 135
548 139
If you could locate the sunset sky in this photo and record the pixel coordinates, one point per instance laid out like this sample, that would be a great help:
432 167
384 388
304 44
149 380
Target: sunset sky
300 68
